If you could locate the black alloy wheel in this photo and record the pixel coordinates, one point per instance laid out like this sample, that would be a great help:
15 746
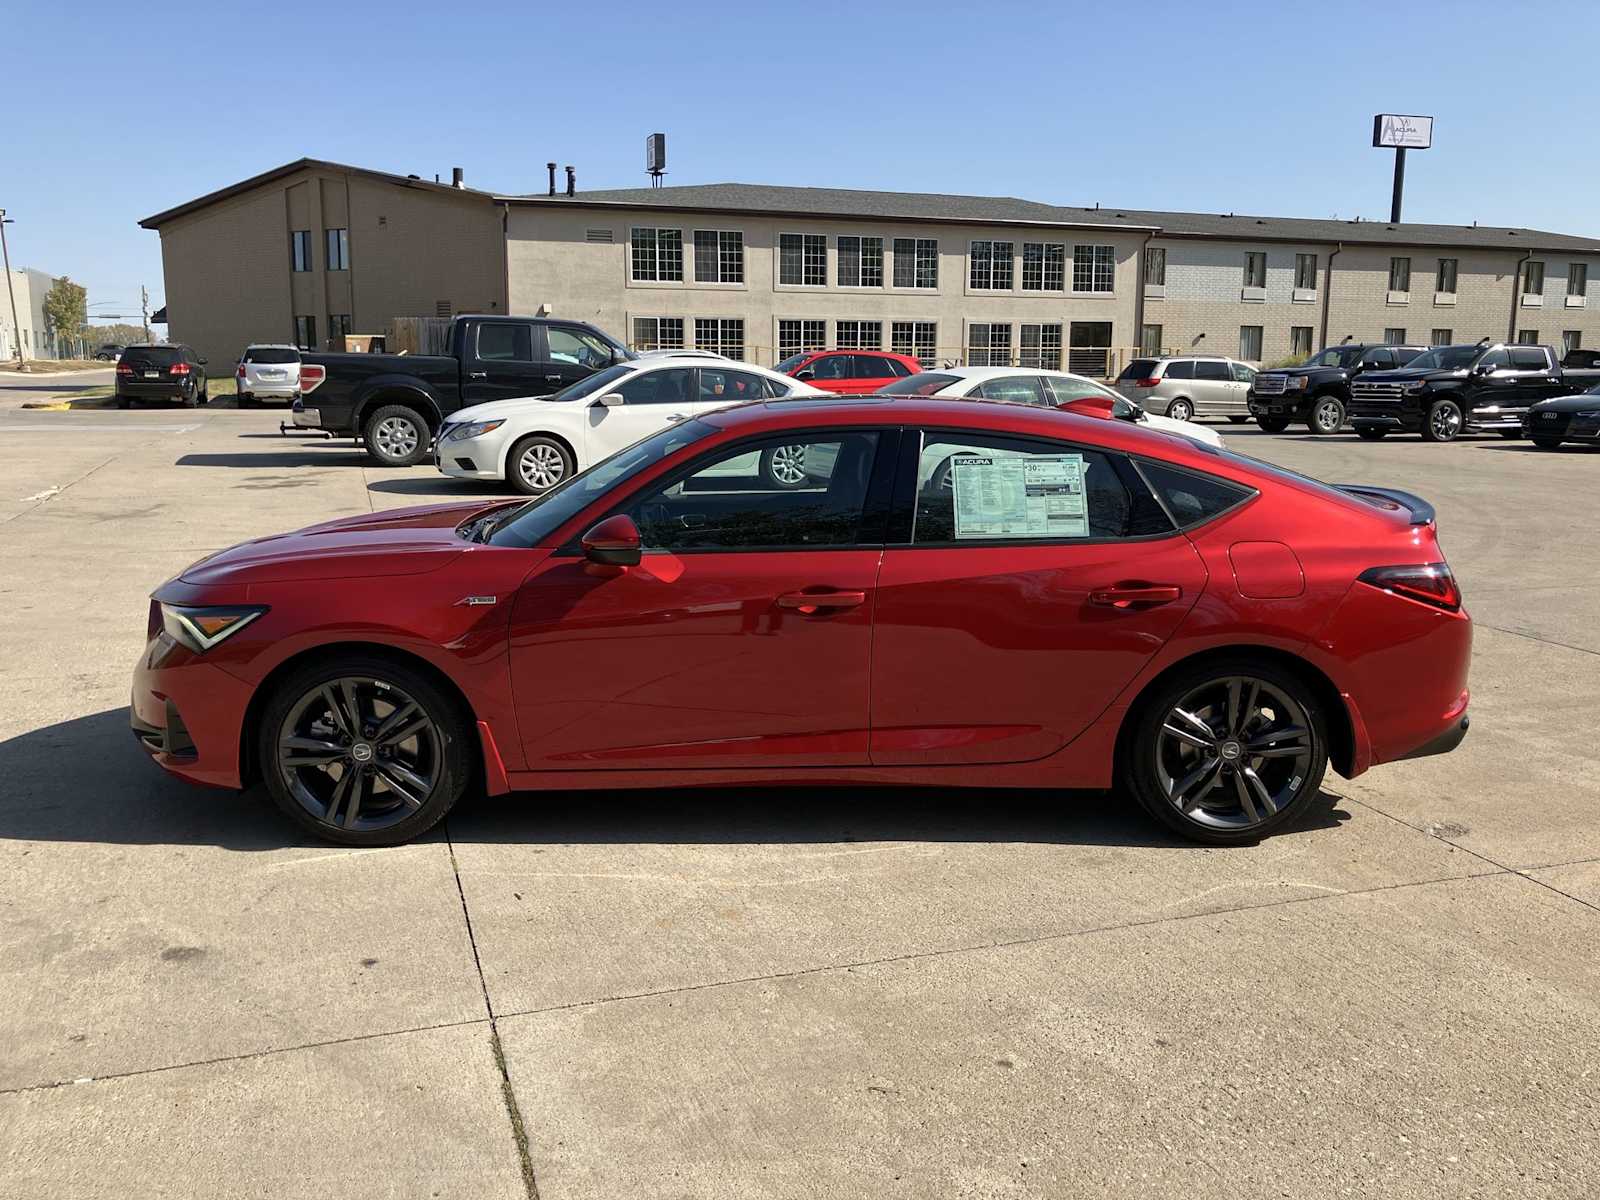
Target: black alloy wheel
1229 752
1443 422
363 752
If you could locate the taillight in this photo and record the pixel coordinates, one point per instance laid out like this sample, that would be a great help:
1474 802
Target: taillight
1432 584
1151 382
124 369
178 368
310 376
240 371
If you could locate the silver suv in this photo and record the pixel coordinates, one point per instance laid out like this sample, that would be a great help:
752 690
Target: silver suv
1187 386
267 372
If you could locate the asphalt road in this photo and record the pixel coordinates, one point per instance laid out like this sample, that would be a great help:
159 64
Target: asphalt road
798 993
16 390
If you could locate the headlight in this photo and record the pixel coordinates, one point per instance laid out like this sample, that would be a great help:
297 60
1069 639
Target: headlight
1589 414
202 628
1415 387
1297 383
470 429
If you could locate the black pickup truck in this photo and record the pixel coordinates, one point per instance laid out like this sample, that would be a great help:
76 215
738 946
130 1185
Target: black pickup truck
395 402
1318 390
1450 390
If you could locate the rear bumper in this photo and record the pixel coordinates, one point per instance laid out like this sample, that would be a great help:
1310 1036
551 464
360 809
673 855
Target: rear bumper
276 391
152 391
187 714
1446 741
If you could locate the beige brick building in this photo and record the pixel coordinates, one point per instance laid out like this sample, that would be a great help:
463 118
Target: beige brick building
761 272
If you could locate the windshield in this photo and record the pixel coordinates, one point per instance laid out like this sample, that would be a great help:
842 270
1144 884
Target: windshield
596 383
539 518
793 361
1335 356
1446 358
925 384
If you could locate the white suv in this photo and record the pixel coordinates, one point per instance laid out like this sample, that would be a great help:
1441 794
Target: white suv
1187 386
267 372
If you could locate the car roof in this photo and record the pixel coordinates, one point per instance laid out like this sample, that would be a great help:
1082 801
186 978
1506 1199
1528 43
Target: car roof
852 350
271 346
714 362
993 372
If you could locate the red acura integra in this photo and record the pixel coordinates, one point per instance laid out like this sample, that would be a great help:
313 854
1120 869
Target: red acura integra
959 593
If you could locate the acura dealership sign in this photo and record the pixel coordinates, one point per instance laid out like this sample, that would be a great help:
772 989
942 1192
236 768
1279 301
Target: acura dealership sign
1402 132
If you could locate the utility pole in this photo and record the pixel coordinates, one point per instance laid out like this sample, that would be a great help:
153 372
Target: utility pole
5 252
144 309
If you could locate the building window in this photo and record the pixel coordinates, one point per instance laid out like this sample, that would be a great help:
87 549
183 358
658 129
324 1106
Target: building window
1155 267
1255 269
803 259
338 250
858 335
338 324
1094 268
1150 339
1442 337
721 335
991 266
920 339
1533 278
305 329
1394 336
1305 271
1041 347
658 333
1527 337
861 262
800 337
718 256
1447 277
1044 266
1577 279
1300 340
1399 274
300 249
988 345
657 255
1250 343
916 263
1571 339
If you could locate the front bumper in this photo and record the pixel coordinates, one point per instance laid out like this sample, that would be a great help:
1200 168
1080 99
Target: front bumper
1284 404
188 714
470 458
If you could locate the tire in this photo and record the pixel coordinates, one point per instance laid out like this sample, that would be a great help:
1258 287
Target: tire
205 393
1237 420
538 463
124 402
1186 776
1326 417
1272 424
1181 409
407 785
1371 433
1511 435
1442 422
1547 443
189 399
247 400
396 435
784 467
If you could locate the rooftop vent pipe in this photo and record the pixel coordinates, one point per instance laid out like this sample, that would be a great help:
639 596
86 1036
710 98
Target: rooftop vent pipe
457 177
552 169
572 181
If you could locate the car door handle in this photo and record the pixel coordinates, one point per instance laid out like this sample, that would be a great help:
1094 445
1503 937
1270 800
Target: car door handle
477 374
813 602
675 417
552 379
1141 595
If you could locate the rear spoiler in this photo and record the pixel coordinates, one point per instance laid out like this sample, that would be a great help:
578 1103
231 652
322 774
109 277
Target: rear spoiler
1421 511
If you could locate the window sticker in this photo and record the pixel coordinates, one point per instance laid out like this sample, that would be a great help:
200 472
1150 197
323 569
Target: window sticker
1037 496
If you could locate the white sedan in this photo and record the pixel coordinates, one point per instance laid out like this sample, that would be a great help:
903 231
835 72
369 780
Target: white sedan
1045 389
536 442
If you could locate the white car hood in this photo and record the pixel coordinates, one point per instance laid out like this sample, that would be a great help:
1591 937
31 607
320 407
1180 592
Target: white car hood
1188 429
494 410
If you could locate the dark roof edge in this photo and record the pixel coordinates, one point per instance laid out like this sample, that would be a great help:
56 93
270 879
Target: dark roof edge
1355 239
801 215
300 164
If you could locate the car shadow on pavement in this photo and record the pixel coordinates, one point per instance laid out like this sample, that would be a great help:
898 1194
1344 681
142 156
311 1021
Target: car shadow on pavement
466 489
276 458
88 780
1530 448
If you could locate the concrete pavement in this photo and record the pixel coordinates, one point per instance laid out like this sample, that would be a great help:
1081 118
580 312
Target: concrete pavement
834 992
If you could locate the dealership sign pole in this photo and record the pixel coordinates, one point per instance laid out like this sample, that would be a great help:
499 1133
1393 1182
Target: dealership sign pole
1402 133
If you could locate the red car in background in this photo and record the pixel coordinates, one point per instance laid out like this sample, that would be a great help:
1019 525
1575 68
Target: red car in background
964 593
849 372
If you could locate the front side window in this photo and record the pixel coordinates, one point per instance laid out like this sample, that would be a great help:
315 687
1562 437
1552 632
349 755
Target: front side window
1255 269
1399 274
861 262
575 346
1041 347
802 260
858 335
798 492
991 266
1530 360
1305 271
305 333
1094 268
1533 278
508 343
1044 266
988 345
916 263
1577 279
718 256
797 337
721 335
657 255
300 250
1446 281
973 486
338 249
1155 266
919 339
658 333
1250 342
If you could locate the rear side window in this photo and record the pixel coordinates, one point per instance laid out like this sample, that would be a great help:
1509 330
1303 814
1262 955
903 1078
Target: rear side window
894 367
924 384
271 354
1189 497
1212 370
1139 368
868 366
1531 359
1179 370
505 343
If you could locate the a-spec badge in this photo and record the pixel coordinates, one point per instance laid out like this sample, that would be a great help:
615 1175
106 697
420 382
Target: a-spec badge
476 601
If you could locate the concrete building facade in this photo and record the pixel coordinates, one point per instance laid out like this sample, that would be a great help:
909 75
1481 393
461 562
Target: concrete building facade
31 330
762 272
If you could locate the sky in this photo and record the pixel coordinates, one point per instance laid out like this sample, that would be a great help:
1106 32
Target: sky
1260 108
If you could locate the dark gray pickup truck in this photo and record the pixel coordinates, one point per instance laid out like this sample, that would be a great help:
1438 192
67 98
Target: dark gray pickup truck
395 402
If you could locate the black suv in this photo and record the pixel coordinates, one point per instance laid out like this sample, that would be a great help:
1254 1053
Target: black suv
108 353
1318 390
172 373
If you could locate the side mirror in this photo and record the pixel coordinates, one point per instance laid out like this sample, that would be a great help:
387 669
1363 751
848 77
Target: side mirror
201 361
613 543
806 376
1483 369
610 400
